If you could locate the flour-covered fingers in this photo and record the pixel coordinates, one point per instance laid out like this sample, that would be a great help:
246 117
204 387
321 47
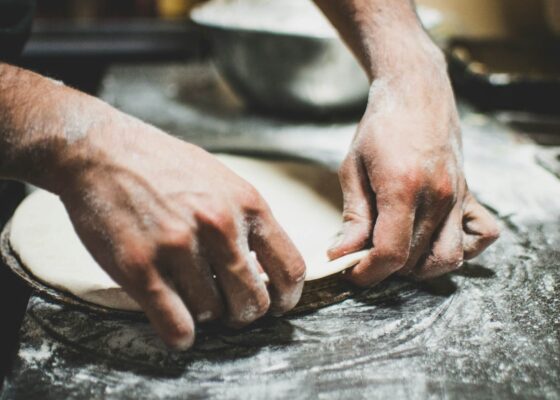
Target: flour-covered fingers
392 238
280 259
447 249
241 283
433 208
428 219
194 281
479 227
358 212
163 306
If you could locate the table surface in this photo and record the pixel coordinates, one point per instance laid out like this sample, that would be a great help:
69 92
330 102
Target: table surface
488 330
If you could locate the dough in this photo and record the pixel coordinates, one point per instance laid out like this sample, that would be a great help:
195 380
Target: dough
305 199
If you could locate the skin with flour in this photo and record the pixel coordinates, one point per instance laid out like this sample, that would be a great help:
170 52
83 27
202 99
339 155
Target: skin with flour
160 215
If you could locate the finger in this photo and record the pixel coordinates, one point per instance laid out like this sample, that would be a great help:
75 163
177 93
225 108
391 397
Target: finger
262 273
239 278
358 213
429 217
447 249
479 227
163 307
426 225
195 283
392 238
281 260
140 278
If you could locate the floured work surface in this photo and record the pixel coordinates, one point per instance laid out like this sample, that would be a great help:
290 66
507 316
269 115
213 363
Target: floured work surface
489 330
305 198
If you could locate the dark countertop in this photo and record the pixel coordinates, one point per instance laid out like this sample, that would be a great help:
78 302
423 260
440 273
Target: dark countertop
489 330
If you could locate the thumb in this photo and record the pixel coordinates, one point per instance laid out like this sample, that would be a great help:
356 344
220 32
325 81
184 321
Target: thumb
353 237
479 227
359 210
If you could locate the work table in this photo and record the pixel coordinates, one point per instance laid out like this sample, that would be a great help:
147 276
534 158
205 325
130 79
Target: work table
488 330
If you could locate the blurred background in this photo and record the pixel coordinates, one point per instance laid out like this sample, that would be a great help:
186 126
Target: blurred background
504 54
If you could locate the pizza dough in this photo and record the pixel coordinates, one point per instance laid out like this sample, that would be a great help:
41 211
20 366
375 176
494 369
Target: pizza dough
305 199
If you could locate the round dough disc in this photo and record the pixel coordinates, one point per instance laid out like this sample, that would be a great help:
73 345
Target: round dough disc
305 199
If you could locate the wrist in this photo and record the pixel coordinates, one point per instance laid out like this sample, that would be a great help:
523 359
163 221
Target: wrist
91 149
411 76
114 145
44 128
408 54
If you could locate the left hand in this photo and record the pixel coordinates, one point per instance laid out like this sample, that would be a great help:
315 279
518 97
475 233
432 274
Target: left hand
405 193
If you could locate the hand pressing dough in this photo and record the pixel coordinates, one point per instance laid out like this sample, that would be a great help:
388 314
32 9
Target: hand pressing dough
305 199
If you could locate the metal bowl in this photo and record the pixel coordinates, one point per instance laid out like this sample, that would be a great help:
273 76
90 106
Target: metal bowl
287 73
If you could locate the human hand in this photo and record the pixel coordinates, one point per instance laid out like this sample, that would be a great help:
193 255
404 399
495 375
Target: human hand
405 193
163 217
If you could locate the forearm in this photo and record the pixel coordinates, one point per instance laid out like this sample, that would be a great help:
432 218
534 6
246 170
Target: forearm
385 35
41 123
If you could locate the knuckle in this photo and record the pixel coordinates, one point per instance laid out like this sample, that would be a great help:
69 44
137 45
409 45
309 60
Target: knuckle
251 194
253 202
353 215
411 180
179 336
408 175
296 274
346 168
290 296
444 191
136 266
176 236
393 256
150 289
218 219
453 262
450 260
134 254
402 185
492 234
440 264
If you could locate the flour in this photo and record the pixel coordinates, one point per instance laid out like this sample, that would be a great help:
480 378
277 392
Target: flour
55 82
287 16
77 124
382 96
32 355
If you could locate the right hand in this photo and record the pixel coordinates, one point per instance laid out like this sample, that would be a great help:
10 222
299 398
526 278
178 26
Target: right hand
175 228
405 194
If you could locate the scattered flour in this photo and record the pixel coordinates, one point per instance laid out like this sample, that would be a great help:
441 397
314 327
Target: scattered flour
32 355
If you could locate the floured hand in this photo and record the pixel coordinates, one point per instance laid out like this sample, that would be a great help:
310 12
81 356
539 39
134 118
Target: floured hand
405 194
176 229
